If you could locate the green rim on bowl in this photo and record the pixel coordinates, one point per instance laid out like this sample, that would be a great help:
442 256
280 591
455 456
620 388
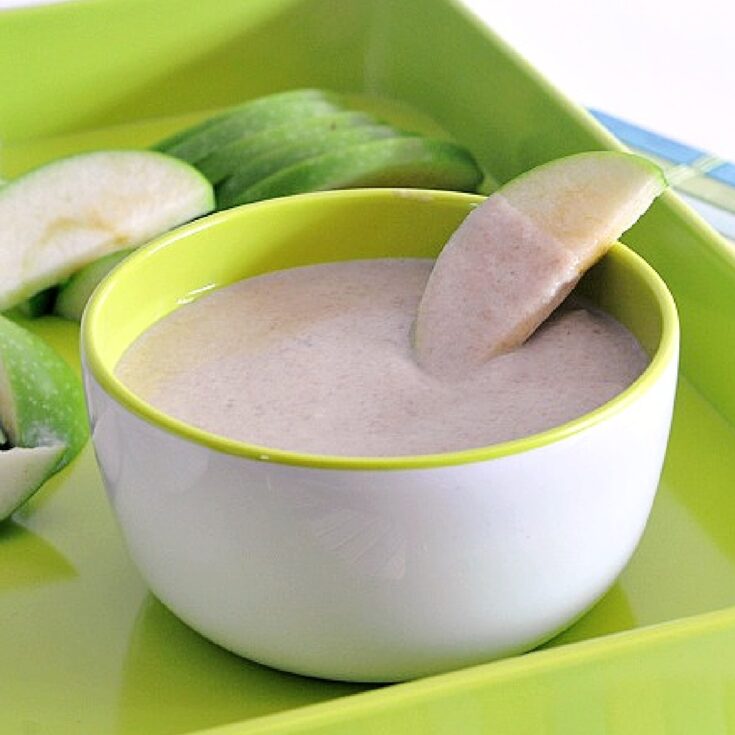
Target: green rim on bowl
329 226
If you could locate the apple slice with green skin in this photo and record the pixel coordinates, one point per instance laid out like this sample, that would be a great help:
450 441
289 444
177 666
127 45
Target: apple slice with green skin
232 191
42 412
22 472
258 106
231 158
518 255
196 143
407 161
74 294
57 218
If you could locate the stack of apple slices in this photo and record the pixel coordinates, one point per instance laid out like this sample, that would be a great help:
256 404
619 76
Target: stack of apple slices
57 220
309 140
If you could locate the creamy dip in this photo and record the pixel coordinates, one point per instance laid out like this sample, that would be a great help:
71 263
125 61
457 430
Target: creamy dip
319 360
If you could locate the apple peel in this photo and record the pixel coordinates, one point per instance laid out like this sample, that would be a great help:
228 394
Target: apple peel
42 413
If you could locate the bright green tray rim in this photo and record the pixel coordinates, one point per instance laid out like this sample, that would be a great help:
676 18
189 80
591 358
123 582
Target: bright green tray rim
86 649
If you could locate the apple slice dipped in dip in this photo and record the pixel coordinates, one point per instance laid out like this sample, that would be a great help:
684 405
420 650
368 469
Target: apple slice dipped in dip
518 255
60 217
42 414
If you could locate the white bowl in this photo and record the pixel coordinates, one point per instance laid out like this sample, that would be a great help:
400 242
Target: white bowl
371 569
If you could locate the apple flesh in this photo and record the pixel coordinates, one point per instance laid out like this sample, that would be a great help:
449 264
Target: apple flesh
57 218
22 472
519 254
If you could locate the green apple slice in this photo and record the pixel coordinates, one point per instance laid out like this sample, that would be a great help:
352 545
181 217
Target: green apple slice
22 472
401 162
231 158
233 190
518 255
41 398
198 142
42 412
57 218
74 294
291 96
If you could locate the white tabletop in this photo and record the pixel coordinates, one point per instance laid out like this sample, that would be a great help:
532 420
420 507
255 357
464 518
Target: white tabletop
667 66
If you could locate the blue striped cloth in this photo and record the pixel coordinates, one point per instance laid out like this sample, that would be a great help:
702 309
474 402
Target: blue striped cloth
705 182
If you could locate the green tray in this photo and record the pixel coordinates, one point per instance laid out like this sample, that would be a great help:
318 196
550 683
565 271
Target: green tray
86 649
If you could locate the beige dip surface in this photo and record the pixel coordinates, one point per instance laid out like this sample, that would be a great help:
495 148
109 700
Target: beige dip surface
319 360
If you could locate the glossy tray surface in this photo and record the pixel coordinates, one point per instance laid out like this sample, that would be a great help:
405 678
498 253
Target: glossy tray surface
87 649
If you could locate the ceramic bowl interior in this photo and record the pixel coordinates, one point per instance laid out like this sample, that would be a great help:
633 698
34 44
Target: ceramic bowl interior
314 228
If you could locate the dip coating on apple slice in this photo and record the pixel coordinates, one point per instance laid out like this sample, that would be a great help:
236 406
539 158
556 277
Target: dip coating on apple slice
57 218
518 255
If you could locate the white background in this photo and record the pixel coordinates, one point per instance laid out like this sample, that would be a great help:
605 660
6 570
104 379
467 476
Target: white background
666 65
